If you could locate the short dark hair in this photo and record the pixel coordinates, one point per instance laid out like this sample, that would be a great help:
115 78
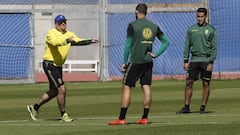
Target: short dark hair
204 10
142 8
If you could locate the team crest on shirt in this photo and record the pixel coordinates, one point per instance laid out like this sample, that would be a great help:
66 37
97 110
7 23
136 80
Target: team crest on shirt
147 33
206 32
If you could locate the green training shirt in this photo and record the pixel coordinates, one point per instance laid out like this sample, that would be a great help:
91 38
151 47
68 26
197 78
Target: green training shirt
140 37
201 43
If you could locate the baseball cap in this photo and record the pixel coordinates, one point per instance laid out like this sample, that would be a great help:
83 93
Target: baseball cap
60 18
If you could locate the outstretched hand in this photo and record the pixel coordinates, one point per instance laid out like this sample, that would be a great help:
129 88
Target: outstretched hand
95 41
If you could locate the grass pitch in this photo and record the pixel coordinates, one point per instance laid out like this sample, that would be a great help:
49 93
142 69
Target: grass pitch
94 104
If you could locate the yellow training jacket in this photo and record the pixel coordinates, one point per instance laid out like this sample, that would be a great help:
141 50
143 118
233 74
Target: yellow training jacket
57 48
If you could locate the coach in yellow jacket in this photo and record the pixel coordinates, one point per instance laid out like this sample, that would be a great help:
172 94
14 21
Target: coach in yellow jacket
58 43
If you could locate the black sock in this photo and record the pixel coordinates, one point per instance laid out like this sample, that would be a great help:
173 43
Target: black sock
186 106
62 113
36 106
145 113
123 112
202 107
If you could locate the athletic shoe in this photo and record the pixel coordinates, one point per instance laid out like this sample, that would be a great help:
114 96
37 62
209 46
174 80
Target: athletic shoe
117 122
202 110
65 117
142 121
33 113
183 110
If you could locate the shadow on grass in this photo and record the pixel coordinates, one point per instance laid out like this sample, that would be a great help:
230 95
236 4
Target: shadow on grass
52 119
134 123
203 113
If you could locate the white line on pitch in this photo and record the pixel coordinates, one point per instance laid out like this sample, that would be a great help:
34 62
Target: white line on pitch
172 116
105 124
3 122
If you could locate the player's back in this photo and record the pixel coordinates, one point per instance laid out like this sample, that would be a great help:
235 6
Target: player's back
144 32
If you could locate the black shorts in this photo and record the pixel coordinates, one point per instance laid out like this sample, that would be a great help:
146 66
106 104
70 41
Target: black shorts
54 74
199 70
138 71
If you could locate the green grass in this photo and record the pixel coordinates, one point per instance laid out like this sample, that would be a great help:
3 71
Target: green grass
94 104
